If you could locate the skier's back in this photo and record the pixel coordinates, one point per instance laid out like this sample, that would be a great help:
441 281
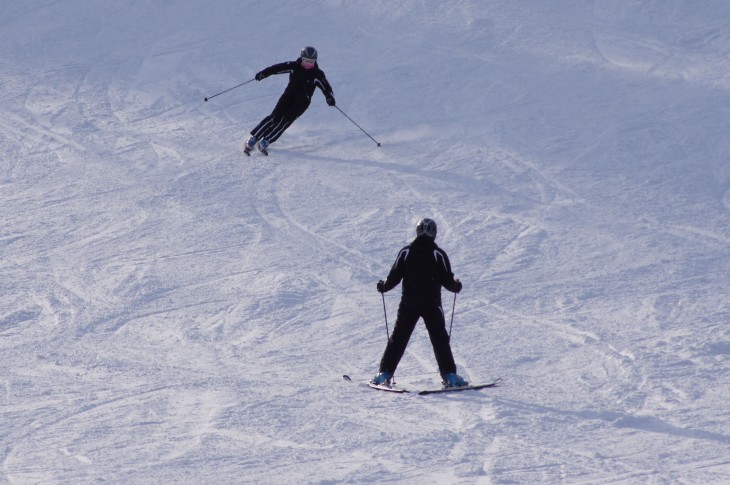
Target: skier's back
423 268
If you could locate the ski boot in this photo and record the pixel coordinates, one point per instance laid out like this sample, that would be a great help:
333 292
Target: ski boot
248 146
382 378
454 380
262 146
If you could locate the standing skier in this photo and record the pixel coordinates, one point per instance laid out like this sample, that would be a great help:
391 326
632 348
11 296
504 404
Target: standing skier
304 76
424 268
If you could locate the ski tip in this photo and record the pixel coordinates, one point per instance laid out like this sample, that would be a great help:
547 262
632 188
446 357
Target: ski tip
346 377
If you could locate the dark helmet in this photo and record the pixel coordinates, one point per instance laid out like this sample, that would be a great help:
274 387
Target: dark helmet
309 53
426 226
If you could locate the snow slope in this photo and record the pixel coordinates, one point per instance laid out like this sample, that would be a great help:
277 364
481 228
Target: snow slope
172 312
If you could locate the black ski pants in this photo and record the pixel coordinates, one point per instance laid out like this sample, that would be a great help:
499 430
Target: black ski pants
408 315
286 111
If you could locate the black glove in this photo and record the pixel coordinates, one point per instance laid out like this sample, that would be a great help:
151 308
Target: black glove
331 100
260 76
457 286
381 286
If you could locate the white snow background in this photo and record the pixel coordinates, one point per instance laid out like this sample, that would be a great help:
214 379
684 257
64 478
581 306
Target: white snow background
174 312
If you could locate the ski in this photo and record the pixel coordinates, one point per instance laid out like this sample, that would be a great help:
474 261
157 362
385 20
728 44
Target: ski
474 387
383 387
248 152
400 390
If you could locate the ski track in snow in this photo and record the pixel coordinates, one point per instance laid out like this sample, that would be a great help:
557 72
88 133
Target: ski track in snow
172 311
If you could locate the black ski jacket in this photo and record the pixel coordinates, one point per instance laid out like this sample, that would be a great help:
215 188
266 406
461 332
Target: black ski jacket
424 268
301 81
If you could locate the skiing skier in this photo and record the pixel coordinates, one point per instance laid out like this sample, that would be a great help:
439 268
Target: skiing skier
424 268
304 76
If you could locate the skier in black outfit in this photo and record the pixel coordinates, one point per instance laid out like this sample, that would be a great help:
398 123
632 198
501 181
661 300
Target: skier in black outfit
304 76
424 268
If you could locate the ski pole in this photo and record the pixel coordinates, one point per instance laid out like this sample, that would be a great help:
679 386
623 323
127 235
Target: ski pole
345 115
387 331
230 89
452 316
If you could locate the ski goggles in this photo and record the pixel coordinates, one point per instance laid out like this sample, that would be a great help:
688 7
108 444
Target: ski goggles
308 63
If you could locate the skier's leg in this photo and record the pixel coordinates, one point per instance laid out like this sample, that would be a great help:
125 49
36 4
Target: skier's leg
256 132
296 109
266 125
276 131
404 325
436 325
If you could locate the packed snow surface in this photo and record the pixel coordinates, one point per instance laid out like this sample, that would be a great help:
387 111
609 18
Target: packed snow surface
172 311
